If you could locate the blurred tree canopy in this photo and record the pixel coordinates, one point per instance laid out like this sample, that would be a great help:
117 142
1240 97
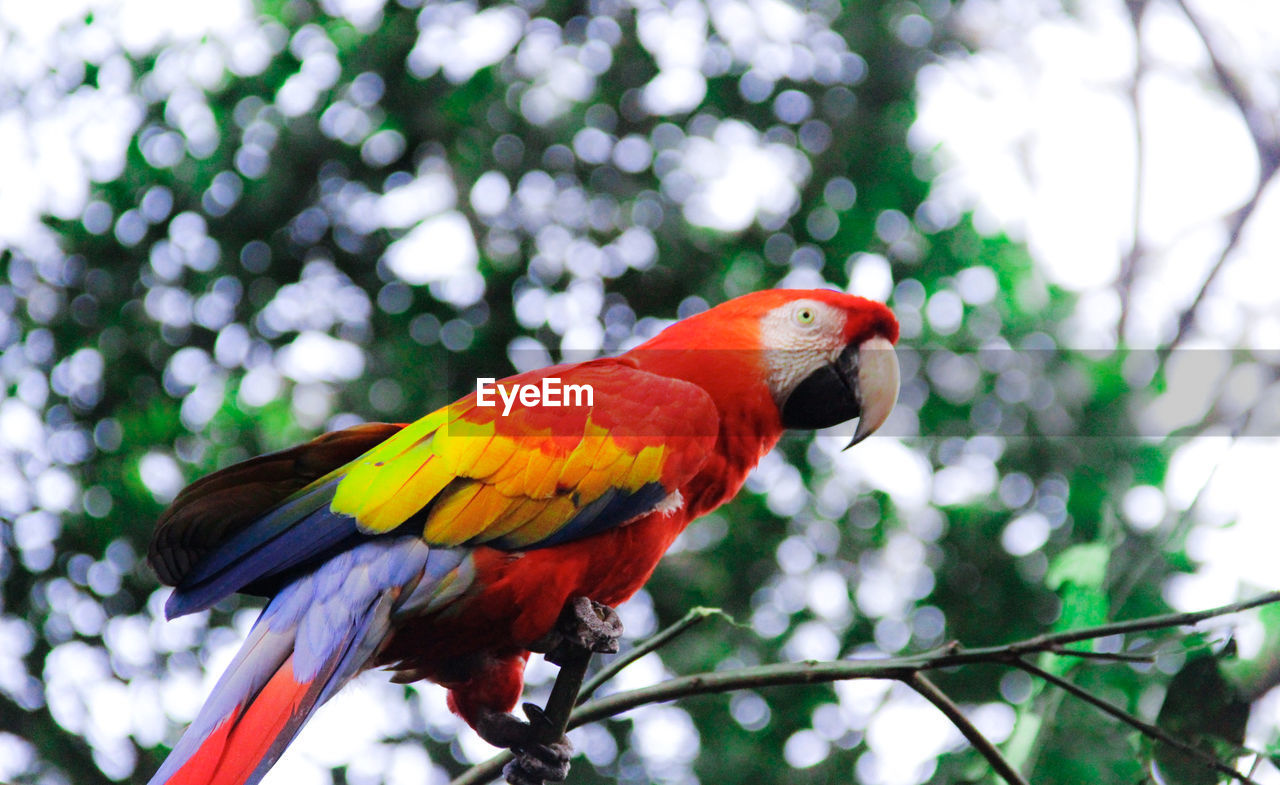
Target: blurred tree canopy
280 220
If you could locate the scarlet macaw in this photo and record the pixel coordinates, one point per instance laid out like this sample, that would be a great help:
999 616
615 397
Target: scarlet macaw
445 549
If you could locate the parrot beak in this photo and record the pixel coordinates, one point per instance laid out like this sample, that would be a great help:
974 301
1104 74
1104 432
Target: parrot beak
862 383
878 379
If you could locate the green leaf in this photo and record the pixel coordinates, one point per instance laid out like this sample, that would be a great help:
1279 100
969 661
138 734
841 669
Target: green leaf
1083 565
1204 709
1078 575
1255 676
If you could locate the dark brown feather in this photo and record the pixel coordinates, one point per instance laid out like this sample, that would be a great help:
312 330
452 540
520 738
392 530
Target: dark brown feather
214 508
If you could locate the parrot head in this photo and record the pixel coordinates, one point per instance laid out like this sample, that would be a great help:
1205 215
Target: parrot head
838 362
823 357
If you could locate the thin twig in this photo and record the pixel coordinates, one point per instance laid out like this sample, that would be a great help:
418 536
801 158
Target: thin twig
654 642
1238 219
1129 263
487 770
892 668
1264 136
1268 148
1045 642
1146 728
564 695
1112 656
926 688
809 672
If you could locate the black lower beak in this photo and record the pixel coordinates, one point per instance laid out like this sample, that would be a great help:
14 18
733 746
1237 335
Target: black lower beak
826 397
862 383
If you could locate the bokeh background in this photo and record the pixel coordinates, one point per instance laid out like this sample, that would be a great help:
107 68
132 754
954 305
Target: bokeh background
226 227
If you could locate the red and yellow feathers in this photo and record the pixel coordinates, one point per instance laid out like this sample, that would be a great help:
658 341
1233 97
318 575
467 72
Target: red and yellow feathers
444 548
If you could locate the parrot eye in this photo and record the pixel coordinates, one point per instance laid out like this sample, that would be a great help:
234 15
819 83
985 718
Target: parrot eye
804 315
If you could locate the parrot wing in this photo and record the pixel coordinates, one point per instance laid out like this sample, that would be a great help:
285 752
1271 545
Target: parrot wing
465 475
220 505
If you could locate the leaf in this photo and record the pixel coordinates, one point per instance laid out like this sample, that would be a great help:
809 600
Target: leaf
1258 675
1204 709
1078 575
1084 565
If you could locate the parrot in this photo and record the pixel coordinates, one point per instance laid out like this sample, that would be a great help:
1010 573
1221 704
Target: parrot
447 549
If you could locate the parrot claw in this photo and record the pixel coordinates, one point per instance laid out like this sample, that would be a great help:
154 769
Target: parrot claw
584 626
539 763
536 761
504 730
539 723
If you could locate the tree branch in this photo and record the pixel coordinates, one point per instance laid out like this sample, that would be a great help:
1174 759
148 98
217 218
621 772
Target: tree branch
902 669
1238 219
484 772
553 720
1046 642
926 688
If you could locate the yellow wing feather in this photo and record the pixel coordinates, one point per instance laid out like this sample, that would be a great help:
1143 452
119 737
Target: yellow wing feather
475 483
452 519
378 474
377 481
541 475
543 524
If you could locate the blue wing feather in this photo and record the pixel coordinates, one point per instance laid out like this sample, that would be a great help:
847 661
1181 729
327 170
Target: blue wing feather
291 535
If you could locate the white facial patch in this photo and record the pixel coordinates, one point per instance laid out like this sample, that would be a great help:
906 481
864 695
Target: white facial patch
799 338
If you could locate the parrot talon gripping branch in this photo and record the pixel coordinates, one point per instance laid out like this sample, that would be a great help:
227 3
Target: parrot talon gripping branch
541 749
584 626
451 548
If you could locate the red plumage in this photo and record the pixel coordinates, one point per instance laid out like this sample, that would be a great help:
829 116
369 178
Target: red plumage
445 549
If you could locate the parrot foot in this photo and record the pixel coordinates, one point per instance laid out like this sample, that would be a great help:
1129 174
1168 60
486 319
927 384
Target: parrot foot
584 626
541 749
537 759
505 730
539 763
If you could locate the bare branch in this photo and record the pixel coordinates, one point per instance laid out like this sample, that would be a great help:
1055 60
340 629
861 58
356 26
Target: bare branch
484 772
1112 656
492 767
902 669
1131 260
921 684
564 694
693 618
1268 148
1238 219
1264 135
1046 642
1146 728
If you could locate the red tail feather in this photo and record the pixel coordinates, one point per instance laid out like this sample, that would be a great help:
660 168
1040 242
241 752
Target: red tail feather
248 741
